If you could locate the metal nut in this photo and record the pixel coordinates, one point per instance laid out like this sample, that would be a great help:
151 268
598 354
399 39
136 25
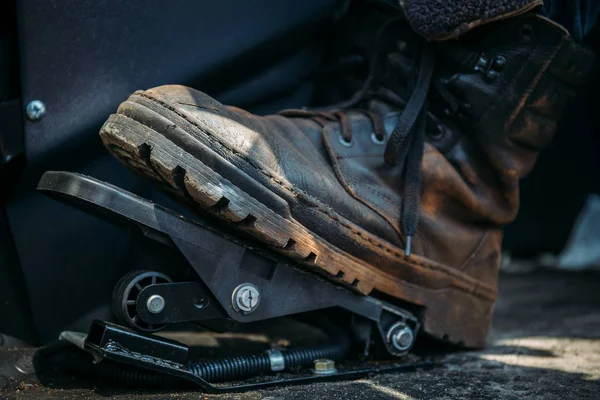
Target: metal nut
155 304
324 367
35 110
245 298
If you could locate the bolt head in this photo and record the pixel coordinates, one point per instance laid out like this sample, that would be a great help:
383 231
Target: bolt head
403 338
246 298
35 110
25 365
324 366
155 304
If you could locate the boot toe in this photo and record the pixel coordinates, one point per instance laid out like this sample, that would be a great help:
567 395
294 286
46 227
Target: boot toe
179 95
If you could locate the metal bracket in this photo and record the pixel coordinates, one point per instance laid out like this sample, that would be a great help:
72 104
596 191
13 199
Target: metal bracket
183 302
112 342
224 264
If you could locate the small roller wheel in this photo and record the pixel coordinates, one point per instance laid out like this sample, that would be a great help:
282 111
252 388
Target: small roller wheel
125 296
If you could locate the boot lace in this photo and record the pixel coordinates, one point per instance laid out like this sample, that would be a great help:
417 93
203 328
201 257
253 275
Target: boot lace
406 143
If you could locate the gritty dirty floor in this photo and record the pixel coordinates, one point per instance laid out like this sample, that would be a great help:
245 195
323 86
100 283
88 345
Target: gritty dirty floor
545 344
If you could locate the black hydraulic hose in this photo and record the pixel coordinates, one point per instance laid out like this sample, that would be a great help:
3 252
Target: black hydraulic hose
65 357
232 368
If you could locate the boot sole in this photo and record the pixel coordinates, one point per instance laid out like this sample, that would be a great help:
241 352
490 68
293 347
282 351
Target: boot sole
459 313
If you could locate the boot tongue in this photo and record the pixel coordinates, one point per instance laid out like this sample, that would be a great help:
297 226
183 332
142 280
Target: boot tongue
382 107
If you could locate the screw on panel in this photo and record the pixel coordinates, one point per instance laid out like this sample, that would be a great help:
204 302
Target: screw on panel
35 110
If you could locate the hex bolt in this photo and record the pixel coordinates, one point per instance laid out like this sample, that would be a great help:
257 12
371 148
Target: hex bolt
324 366
155 304
401 337
35 110
245 298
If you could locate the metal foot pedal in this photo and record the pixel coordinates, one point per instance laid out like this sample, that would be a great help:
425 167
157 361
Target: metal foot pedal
225 280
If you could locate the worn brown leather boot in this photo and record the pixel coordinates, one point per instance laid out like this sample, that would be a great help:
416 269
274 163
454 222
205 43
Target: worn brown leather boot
405 205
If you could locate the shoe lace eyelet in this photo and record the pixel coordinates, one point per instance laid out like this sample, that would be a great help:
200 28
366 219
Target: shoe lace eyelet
376 140
436 133
347 143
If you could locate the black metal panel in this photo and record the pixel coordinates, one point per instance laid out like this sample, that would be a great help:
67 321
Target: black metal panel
11 134
83 57
15 316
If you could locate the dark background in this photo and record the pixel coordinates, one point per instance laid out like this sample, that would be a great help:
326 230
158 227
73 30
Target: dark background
83 57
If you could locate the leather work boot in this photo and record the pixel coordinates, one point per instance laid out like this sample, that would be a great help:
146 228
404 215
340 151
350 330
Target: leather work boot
404 200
